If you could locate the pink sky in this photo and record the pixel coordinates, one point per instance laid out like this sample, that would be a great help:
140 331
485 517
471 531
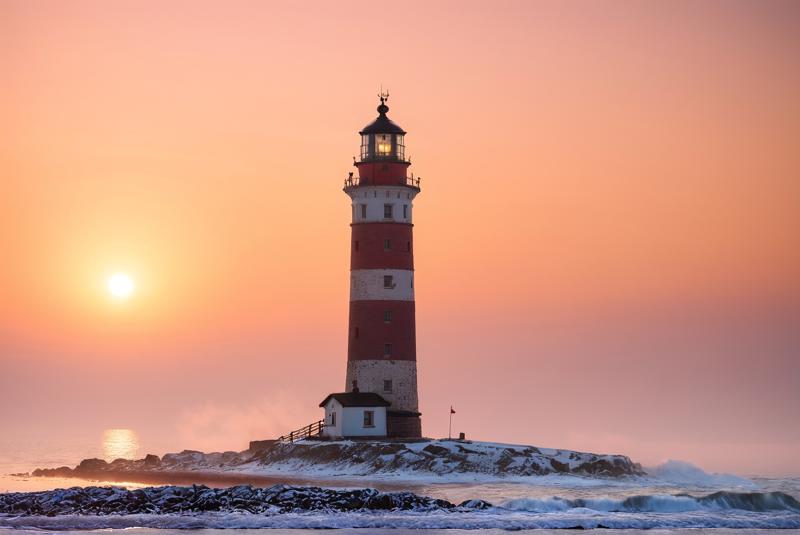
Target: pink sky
606 240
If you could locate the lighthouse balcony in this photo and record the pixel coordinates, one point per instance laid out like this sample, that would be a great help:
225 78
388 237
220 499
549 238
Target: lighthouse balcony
354 182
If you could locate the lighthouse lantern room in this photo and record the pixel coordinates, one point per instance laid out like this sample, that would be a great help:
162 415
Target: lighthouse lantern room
381 353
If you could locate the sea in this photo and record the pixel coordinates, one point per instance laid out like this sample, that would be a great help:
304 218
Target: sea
676 498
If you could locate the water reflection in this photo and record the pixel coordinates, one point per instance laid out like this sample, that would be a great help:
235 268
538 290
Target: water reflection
120 444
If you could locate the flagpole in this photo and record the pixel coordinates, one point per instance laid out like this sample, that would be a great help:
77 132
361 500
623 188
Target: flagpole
450 428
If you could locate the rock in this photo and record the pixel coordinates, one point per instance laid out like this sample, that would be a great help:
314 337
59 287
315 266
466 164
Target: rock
475 504
151 460
91 465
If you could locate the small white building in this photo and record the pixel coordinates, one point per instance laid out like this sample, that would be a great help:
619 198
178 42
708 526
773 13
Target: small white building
354 414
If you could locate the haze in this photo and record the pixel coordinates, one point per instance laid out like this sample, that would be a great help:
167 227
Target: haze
606 243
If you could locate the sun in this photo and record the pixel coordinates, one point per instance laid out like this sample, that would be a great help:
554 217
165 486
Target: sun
120 286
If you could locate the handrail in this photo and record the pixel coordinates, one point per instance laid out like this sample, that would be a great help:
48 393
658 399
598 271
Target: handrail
354 181
312 429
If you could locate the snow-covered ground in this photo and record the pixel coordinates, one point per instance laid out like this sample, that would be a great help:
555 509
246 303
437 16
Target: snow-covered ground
416 460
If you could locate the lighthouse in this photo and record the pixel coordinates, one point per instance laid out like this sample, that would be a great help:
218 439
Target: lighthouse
381 379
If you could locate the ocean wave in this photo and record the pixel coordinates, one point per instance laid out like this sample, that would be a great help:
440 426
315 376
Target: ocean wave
684 473
677 503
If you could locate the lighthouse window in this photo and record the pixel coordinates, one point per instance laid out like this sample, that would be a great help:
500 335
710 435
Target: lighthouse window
388 281
364 146
387 316
405 211
363 211
387 211
387 349
333 418
400 147
383 144
387 385
387 244
369 418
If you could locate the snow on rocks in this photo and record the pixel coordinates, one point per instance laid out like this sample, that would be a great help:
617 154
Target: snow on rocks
277 499
350 458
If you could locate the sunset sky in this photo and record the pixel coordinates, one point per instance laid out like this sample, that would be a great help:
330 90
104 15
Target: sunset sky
607 238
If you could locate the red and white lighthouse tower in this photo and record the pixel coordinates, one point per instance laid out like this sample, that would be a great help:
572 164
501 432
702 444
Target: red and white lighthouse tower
381 353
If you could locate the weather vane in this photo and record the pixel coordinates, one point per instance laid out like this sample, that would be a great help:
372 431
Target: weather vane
383 95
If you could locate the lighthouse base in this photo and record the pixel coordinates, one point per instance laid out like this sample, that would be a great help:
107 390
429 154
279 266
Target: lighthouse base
403 424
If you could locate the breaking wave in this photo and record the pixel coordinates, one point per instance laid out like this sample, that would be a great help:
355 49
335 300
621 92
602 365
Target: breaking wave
678 503
683 473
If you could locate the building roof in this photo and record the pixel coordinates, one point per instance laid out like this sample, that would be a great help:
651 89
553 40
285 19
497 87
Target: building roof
382 125
357 399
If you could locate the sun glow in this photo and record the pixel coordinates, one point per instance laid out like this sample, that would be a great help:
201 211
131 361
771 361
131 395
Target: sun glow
120 286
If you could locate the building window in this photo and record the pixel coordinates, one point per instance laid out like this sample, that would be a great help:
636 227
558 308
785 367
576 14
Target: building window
363 211
387 244
387 316
387 211
333 418
387 385
405 211
369 418
387 350
388 281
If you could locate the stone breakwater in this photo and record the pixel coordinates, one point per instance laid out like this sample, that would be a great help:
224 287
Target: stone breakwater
311 458
277 499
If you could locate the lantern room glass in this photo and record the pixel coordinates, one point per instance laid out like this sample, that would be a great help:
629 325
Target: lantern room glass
400 148
383 145
364 146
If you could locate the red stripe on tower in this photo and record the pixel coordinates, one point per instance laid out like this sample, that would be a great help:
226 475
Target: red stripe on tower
382 354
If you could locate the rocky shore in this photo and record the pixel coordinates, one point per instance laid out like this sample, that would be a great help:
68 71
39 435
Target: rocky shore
309 458
277 499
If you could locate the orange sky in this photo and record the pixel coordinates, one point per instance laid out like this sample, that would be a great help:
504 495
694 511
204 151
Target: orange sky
606 240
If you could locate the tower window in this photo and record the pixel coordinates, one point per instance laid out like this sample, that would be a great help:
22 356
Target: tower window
387 350
405 211
363 211
387 244
387 211
369 418
388 281
387 316
387 385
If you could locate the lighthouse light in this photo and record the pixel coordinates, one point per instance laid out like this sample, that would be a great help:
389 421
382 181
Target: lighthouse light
384 145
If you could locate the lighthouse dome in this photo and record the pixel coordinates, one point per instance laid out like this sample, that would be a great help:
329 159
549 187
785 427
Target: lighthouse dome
382 125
